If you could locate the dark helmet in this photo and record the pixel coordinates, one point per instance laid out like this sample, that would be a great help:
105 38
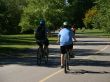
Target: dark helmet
42 22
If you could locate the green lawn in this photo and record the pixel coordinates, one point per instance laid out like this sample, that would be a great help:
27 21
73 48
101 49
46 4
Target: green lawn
92 32
17 41
19 45
15 45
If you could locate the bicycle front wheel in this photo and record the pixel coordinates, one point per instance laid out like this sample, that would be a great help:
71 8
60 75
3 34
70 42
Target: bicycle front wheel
39 56
46 52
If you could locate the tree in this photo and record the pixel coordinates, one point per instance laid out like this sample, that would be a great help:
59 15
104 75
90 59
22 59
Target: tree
102 18
89 17
79 8
10 15
54 12
51 11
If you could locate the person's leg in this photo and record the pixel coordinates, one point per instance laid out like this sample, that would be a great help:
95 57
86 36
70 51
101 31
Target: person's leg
46 43
40 45
62 60
63 51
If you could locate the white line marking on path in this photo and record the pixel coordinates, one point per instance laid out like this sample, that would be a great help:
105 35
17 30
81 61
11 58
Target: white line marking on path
53 74
102 49
97 52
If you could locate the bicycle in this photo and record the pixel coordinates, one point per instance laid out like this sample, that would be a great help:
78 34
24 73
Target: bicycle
42 55
66 60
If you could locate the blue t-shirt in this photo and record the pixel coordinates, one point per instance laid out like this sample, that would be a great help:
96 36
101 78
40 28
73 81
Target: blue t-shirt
65 36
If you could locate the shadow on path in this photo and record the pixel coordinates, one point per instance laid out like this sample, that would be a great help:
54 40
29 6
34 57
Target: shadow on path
28 57
81 71
87 62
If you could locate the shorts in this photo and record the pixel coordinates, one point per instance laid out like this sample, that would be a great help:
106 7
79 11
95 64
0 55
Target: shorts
66 47
44 42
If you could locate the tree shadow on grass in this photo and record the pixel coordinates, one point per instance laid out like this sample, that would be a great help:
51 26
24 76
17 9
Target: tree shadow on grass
16 40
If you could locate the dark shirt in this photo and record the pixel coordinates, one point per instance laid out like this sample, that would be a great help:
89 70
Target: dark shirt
40 33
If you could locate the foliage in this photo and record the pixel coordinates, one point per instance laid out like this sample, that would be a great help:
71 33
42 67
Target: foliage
102 18
26 14
80 8
89 17
54 12
10 15
50 10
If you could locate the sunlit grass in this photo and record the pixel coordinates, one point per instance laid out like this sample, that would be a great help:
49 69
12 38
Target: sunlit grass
15 45
90 32
18 46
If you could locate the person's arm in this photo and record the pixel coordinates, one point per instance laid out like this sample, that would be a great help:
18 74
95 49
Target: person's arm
48 32
73 35
58 38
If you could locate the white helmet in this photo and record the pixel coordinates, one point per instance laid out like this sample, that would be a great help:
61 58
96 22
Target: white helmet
65 23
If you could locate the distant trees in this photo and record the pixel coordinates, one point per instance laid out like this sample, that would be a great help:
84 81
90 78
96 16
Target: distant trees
10 15
54 12
99 15
24 15
89 15
102 18
51 11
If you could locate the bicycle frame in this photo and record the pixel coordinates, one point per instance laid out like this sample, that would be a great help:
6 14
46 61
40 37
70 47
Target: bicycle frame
42 55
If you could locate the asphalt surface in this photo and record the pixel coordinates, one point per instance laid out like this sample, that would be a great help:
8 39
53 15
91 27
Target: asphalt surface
91 64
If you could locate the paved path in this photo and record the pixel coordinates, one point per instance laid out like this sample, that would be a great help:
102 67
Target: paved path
91 64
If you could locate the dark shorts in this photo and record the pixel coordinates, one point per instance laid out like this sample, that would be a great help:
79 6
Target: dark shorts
66 47
44 42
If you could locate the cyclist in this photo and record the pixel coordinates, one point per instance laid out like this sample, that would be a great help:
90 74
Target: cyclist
74 30
65 39
41 35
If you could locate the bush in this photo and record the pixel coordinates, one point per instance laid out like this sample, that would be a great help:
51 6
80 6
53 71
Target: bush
28 31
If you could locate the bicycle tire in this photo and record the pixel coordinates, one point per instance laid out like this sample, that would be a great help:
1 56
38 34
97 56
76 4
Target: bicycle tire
39 56
46 52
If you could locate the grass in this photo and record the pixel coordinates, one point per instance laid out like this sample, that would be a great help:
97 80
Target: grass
17 41
93 32
15 45
19 45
